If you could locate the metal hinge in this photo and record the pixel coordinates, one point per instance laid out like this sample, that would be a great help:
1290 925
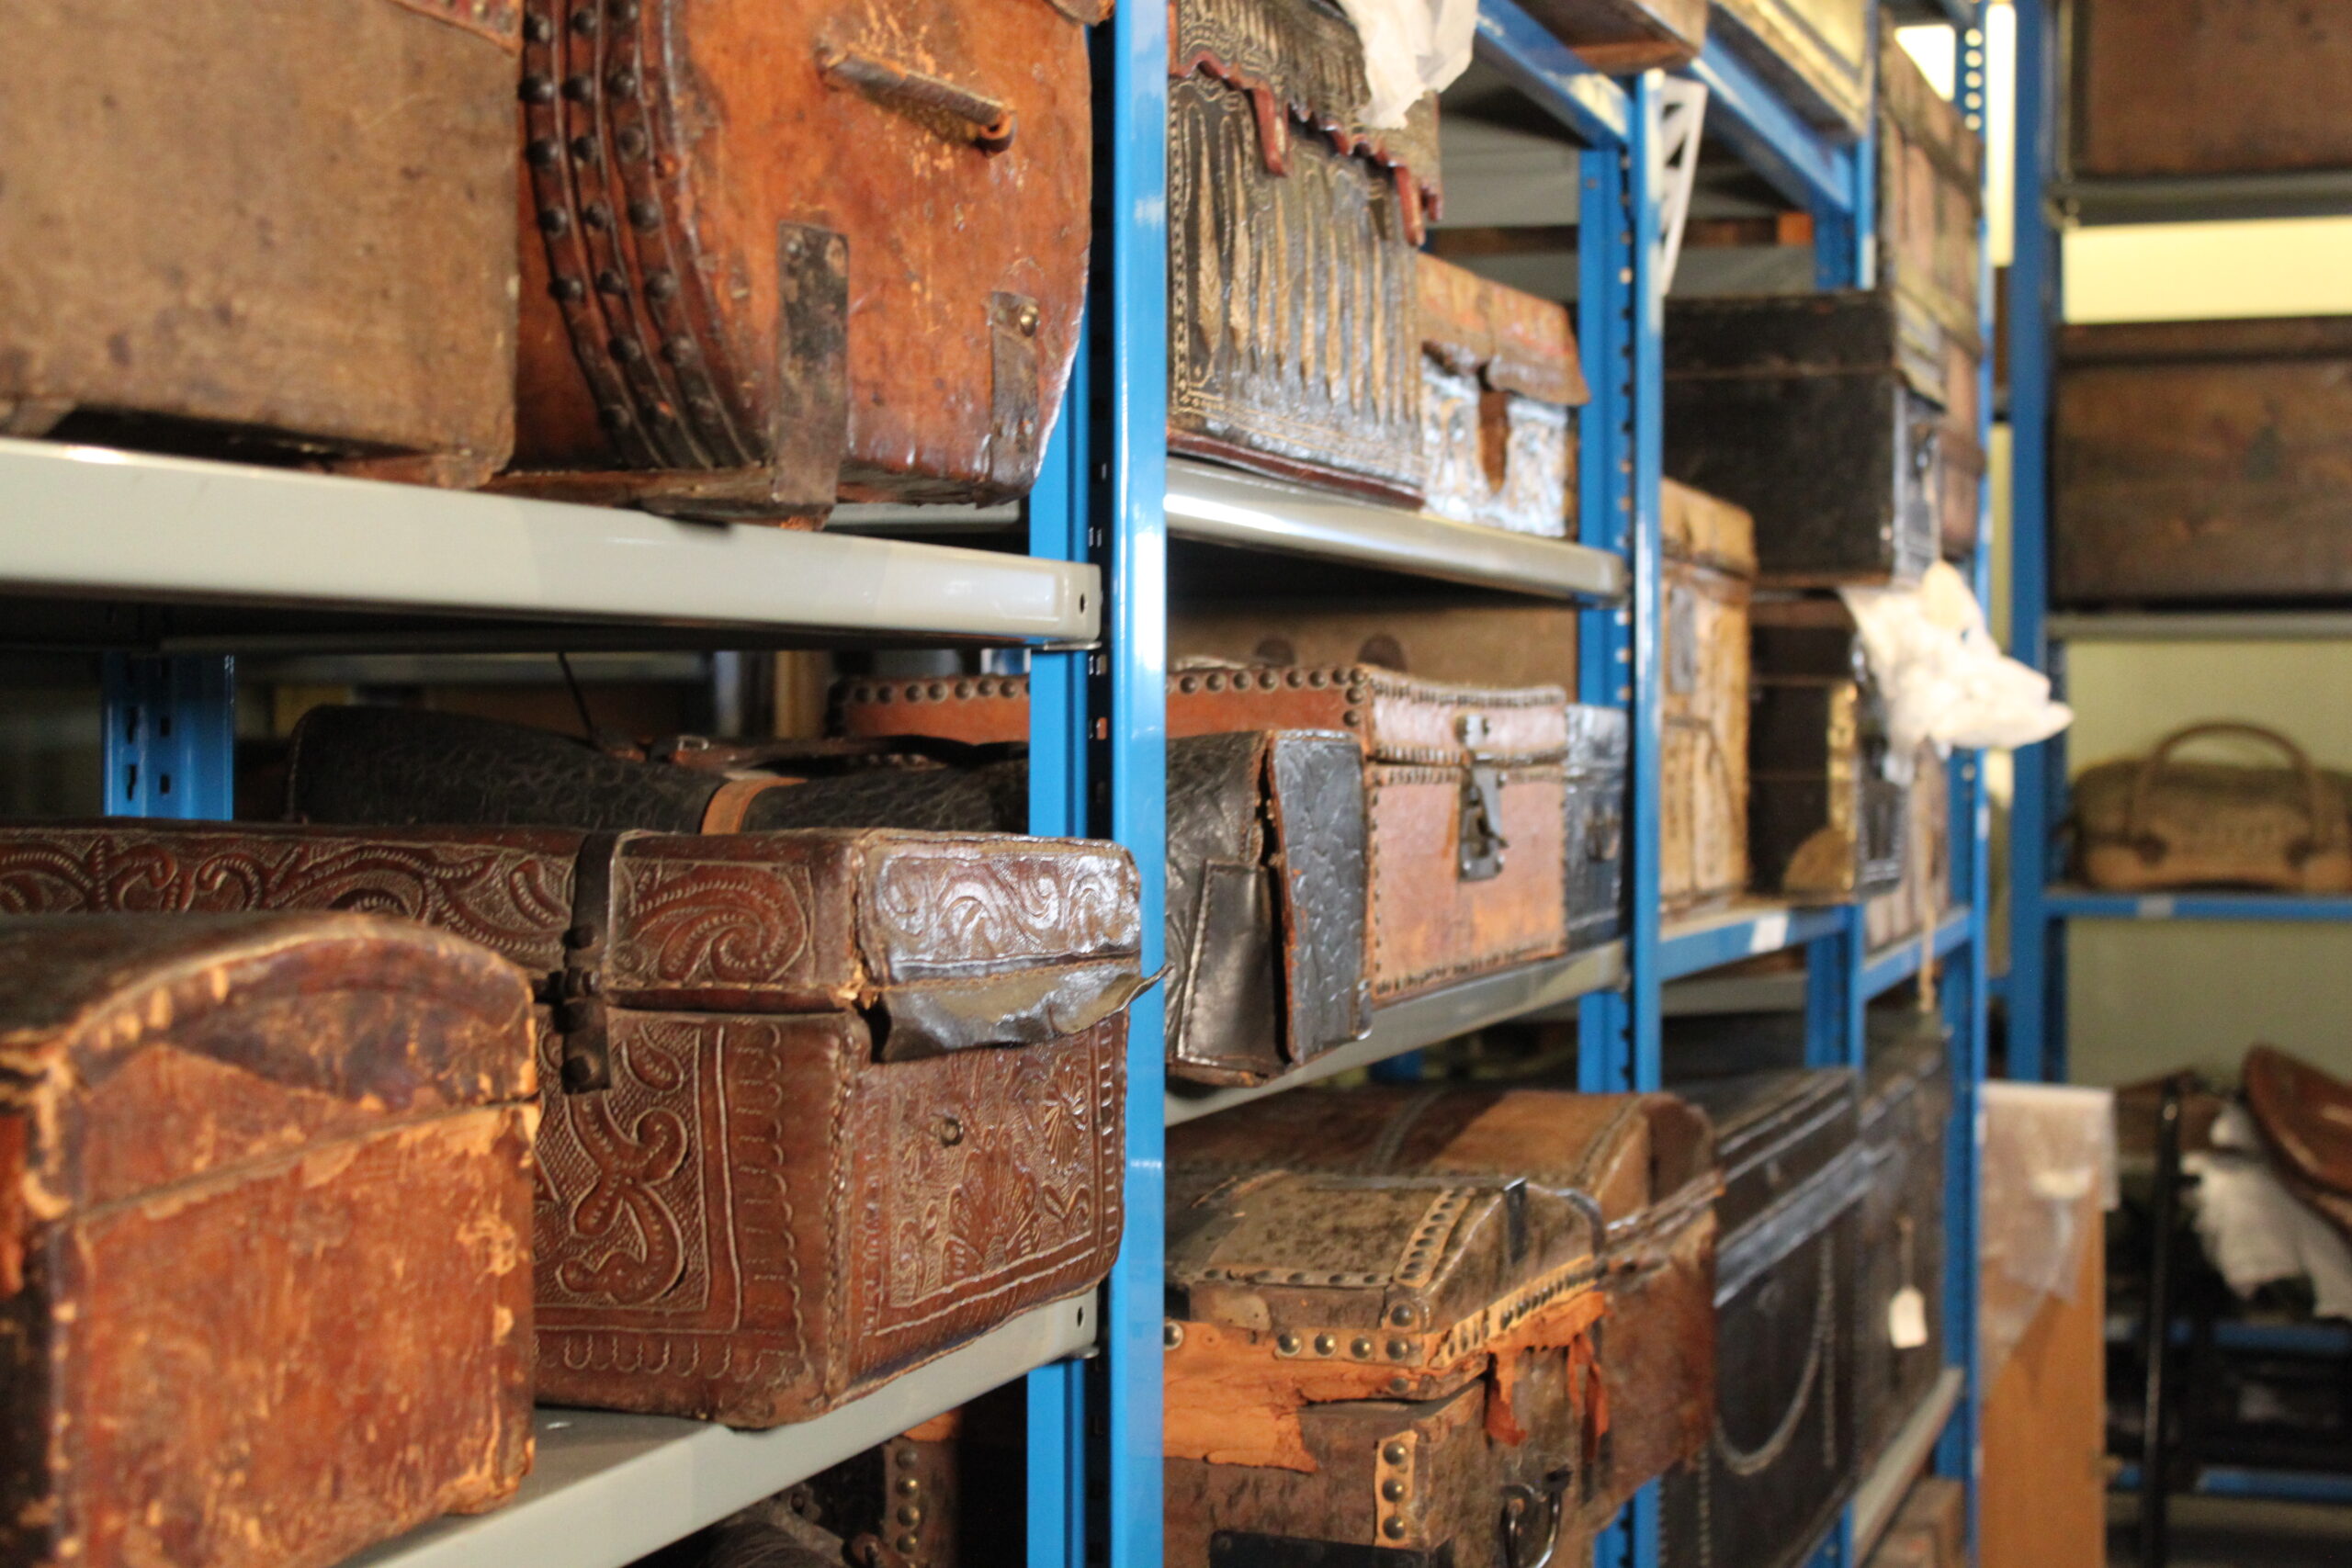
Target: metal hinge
1479 836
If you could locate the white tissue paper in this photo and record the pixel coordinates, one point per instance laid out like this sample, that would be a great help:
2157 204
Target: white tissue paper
2254 1229
1944 678
1411 47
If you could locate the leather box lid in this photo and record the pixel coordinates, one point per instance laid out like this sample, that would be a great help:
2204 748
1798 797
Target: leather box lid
1513 342
1775 1132
142 1050
1697 528
1409 1274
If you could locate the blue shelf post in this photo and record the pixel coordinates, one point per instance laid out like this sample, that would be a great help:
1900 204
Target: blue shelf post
170 747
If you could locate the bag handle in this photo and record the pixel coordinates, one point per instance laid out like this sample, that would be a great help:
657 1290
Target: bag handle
2314 802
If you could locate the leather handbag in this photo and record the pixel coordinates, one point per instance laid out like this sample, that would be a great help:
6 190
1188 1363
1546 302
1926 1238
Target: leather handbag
265 1276
2141 824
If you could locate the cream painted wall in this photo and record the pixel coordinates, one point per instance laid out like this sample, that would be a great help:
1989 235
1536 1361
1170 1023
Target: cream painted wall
2146 998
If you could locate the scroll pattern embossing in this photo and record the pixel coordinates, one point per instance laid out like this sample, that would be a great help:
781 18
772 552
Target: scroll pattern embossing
691 923
998 908
513 901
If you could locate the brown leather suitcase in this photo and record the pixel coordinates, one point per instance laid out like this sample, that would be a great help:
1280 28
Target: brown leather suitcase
1898 1300
1501 385
1463 786
1625 37
1292 227
265 1273
1706 578
1643 1163
1818 54
1781 1460
1820 414
2258 72
1923 892
818 1107
787 252
2203 461
1464 643
1824 820
282 229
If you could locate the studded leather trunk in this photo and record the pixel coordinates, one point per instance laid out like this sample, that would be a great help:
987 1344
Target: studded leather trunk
1819 54
1898 1329
1265 915
788 252
1707 576
283 229
817 1107
1824 820
1820 414
1292 227
265 1274
1464 787
1781 1460
1379 1362
1500 386
1642 1164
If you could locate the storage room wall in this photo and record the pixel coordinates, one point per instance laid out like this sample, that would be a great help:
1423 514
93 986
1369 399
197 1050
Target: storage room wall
2147 998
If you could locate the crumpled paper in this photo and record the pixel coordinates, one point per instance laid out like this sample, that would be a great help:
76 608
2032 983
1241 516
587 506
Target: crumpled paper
1411 47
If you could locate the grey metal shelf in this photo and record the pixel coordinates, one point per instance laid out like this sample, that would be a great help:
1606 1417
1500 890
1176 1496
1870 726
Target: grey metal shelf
93 523
606 1489
1883 969
2200 626
2316 193
1425 1019
1905 1460
1209 504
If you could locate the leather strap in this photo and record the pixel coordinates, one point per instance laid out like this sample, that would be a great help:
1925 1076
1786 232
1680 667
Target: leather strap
728 805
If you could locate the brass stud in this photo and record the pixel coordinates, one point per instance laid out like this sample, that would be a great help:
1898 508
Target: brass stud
596 215
1026 318
544 152
554 220
627 350
939 690
907 1458
907 1543
610 281
1394 1453
538 28
1318 678
1171 1334
661 285
1361 1350
679 351
1393 1489
704 408
950 1130
1326 1343
583 21
1394 1529
1287 1344
911 1515
538 90
632 141
612 416
624 11
569 290
909 1485
1399 1348
581 89
586 148
623 82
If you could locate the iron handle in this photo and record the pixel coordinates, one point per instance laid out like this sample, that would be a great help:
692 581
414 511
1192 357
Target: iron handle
986 122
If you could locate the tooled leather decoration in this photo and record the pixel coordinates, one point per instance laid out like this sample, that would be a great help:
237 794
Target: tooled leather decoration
942 912
595 110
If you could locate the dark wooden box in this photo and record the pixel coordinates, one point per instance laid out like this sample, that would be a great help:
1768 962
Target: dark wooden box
2251 87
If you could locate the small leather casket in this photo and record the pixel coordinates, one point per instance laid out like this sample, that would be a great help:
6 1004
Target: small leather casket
272 228
793 249
1500 386
1464 787
1906 1124
267 1257
819 1106
1824 819
1706 578
1781 1460
1641 1167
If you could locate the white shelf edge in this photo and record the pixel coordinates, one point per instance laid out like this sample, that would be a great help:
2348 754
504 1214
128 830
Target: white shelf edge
1224 506
607 1489
1425 1019
94 522
1905 1460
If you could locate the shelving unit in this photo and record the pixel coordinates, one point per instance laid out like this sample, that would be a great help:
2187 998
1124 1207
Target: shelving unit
181 566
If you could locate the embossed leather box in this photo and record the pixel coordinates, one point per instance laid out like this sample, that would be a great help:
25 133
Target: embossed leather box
1292 227
1782 1458
818 1106
1899 1301
1500 388
1464 787
1642 1164
797 248
1265 915
1824 819
1706 577
265 1234
263 228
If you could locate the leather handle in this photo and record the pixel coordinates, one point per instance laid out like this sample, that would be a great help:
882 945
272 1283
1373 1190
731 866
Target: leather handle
2314 799
987 123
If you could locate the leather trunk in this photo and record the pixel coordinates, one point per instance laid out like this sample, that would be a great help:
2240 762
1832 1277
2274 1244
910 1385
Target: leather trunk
1922 894
817 1107
1597 759
1824 820
266 1260
1706 579
1385 1363
932 1497
1432 639
1781 1460
2143 824
1819 414
1625 37
1265 914
1645 1163
2255 69
2204 462
797 250
1292 227
1500 386
1817 54
1464 787
1899 1305
310 259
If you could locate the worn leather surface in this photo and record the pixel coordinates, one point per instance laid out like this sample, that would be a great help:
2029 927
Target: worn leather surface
1783 1457
1703 805
717 137
1753 382
2258 65
1500 376
1931 173
1906 1113
857 1114
324 1099
2305 1117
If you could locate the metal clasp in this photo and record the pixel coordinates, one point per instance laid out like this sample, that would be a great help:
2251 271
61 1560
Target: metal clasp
1479 837
1527 1511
